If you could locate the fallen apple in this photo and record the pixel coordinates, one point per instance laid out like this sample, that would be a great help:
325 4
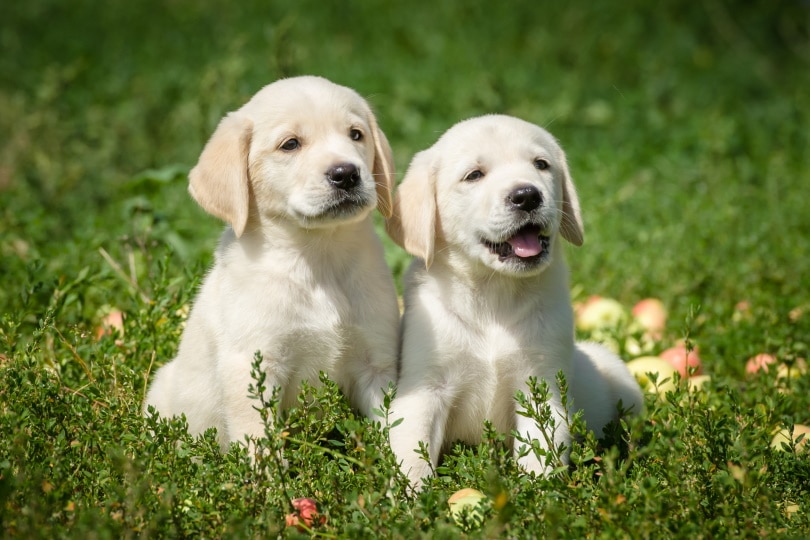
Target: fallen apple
305 515
599 313
113 320
742 311
784 436
686 362
794 370
697 382
759 362
643 367
467 502
651 315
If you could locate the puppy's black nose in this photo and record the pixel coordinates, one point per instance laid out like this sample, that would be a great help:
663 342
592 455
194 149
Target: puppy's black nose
343 176
526 198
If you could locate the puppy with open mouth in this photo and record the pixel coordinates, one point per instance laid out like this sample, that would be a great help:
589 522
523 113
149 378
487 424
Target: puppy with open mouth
299 274
487 301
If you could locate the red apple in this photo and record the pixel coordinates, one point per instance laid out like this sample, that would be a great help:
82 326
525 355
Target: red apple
686 362
651 316
759 362
742 311
113 320
305 515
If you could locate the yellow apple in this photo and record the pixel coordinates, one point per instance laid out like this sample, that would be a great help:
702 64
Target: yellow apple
697 382
599 313
467 500
783 436
643 366
798 369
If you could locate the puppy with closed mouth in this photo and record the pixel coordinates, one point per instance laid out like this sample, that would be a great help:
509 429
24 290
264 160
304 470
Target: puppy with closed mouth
487 301
299 274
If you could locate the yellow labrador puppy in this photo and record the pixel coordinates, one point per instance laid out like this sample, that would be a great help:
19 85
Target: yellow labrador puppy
487 303
299 273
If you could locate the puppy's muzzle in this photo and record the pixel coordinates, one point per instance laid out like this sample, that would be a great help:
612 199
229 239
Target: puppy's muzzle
527 246
526 198
343 176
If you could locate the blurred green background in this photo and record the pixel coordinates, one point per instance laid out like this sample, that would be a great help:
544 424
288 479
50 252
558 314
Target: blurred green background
685 123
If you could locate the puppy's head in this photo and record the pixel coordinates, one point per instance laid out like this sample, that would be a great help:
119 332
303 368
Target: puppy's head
493 189
303 150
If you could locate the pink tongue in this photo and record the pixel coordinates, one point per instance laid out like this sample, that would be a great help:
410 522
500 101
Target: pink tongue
526 243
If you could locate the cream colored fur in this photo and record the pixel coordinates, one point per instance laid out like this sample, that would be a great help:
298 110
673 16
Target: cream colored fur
477 327
299 274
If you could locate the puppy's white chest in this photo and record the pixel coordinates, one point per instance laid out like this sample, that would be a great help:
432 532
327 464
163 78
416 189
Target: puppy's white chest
295 325
484 375
500 346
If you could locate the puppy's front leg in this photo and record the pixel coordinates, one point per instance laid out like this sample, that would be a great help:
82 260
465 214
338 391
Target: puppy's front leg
424 414
373 368
242 419
549 437
369 391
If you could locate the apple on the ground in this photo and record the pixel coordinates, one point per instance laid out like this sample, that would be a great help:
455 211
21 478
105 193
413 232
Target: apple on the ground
598 312
644 366
305 515
467 500
651 315
759 362
784 436
111 321
685 361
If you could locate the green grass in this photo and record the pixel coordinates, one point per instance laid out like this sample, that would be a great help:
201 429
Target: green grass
686 127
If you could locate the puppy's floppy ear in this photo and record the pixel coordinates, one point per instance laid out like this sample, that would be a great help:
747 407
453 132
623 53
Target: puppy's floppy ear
383 169
571 226
413 223
220 182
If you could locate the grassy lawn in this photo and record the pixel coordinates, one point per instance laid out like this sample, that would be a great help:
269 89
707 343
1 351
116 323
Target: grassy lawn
687 128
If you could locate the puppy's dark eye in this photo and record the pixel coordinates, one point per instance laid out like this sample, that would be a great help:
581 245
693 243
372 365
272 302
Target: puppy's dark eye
356 135
541 164
291 144
472 176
